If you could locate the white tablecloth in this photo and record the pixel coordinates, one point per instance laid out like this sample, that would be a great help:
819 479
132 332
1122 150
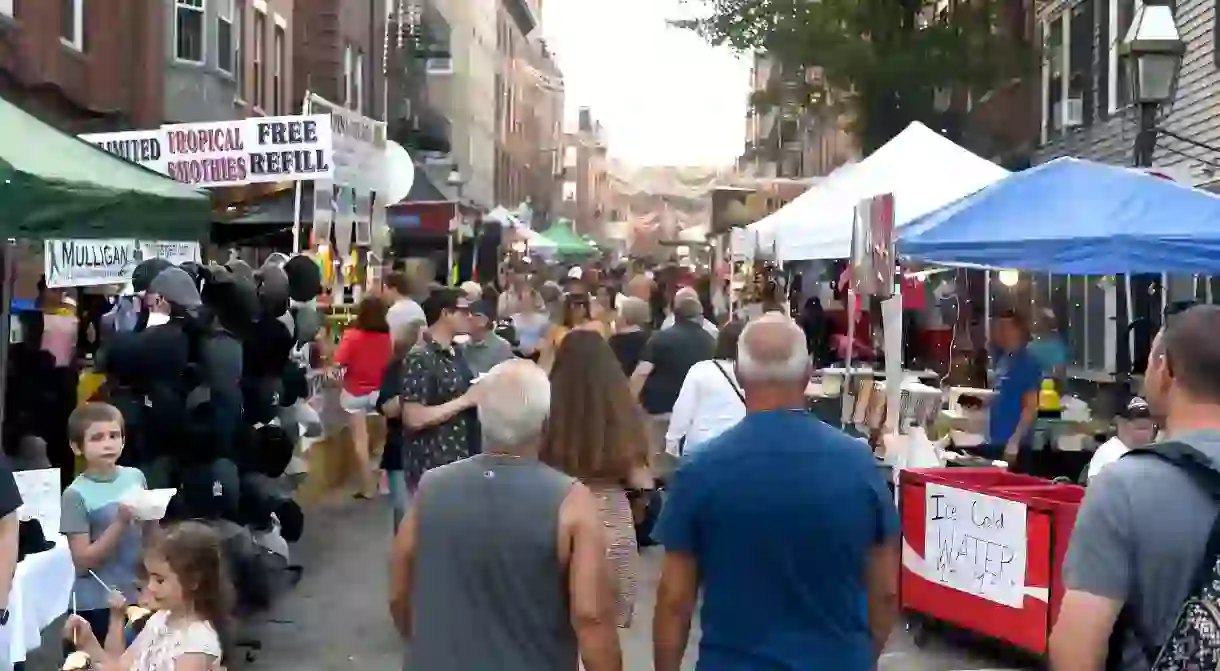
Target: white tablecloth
42 591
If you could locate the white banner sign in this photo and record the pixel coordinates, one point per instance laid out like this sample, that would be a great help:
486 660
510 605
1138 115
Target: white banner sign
976 543
359 143
229 153
82 263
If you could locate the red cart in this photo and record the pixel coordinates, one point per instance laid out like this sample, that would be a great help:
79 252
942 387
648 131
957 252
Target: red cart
1050 512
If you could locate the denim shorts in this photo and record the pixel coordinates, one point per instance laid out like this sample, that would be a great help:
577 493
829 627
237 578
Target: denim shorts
358 405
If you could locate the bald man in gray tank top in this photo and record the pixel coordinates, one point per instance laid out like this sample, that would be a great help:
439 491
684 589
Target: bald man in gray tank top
500 564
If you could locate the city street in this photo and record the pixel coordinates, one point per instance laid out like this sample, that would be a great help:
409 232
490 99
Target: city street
336 619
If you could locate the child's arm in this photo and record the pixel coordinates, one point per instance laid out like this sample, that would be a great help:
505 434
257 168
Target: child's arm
116 634
89 553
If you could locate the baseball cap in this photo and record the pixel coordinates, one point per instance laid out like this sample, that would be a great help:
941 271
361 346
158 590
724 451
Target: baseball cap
176 286
482 308
1137 408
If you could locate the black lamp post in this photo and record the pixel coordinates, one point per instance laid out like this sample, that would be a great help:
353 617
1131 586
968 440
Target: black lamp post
1154 51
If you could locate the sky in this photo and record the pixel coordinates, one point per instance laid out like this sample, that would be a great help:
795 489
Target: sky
663 95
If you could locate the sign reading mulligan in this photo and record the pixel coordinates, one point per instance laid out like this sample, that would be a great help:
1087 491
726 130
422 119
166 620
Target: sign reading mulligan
83 263
230 153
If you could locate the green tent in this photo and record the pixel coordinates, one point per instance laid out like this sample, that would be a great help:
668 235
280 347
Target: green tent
53 185
566 242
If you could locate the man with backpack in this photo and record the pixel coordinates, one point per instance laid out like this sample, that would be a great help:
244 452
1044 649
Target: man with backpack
1142 563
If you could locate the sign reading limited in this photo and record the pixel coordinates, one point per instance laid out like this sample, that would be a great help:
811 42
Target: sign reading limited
228 153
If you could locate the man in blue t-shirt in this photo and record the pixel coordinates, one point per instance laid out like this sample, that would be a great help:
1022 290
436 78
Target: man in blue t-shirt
1014 408
786 525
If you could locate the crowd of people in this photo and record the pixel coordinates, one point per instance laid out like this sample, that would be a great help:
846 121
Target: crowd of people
538 437
533 470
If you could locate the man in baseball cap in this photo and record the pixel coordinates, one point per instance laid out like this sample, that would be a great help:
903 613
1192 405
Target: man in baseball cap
1135 427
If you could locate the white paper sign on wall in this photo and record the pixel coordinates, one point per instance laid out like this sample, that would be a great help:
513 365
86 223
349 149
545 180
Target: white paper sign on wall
976 543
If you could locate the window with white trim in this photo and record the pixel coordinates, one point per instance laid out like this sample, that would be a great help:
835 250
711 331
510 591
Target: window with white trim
277 83
71 23
259 96
239 47
358 79
189 30
1121 14
224 36
349 63
1056 56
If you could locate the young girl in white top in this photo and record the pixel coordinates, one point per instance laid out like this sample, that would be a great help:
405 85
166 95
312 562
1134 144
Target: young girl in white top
187 583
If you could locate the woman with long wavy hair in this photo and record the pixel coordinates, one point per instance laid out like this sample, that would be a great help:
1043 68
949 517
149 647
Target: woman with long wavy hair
596 433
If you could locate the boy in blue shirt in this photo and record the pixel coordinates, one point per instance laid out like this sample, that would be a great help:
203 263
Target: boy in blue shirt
103 533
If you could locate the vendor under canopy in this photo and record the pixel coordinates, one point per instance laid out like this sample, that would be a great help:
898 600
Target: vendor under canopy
1014 408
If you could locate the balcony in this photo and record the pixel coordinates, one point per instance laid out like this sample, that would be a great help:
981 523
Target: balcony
422 129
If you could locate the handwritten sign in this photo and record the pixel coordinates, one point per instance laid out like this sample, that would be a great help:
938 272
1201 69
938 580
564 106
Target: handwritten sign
82 263
40 498
229 153
976 543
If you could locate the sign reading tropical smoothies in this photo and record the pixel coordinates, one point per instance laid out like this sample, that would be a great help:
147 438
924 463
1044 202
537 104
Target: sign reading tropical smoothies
227 153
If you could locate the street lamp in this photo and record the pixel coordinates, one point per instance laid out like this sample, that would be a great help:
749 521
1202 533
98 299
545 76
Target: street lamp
1154 51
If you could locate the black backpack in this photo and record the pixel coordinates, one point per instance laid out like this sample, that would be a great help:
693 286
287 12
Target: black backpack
1192 643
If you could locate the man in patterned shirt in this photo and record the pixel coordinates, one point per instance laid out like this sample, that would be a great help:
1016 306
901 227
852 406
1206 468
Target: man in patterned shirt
438 394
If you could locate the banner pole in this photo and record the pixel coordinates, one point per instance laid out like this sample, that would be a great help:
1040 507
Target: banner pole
296 195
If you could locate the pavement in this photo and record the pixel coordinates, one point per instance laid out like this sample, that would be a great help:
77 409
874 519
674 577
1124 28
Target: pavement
336 618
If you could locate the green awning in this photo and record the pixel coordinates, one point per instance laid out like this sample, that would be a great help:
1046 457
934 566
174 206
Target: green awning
567 242
53 185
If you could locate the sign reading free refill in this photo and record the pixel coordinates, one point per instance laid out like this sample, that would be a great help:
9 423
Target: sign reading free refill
229 153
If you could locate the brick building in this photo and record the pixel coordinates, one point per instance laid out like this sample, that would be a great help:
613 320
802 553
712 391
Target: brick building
83 69
338 47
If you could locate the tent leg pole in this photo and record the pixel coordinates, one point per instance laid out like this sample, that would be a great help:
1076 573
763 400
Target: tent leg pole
6 312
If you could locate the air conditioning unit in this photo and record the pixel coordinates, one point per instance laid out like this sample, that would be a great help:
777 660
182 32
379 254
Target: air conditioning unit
439 66
1070 112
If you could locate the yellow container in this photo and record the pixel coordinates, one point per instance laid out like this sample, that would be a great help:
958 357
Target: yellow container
1048 397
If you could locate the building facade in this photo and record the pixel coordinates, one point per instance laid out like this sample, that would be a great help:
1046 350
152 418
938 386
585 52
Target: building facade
586 187
338 49
784 139
1084 102
461 87
81 68
228 59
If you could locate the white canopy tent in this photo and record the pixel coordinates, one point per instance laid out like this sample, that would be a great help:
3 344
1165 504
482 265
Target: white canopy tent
766 229
921 168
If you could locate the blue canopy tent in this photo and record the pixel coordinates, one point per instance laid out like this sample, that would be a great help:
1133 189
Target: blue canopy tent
1072 216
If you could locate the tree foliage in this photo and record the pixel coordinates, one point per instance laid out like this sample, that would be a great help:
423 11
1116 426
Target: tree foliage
881 61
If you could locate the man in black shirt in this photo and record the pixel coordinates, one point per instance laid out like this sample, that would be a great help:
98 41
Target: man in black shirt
438 409
666 358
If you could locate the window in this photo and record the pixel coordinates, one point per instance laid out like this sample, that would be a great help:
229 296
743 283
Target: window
348 64
1121 14
188 30
71 23
358 80
239 47
1078 111
6 7
259 96
224 36
277 84
1056 50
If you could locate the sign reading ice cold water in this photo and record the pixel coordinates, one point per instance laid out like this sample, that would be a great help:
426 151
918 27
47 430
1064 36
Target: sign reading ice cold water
228 153
976 543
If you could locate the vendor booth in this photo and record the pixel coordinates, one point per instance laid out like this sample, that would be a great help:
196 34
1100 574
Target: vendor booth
983 548
99 207
920 167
